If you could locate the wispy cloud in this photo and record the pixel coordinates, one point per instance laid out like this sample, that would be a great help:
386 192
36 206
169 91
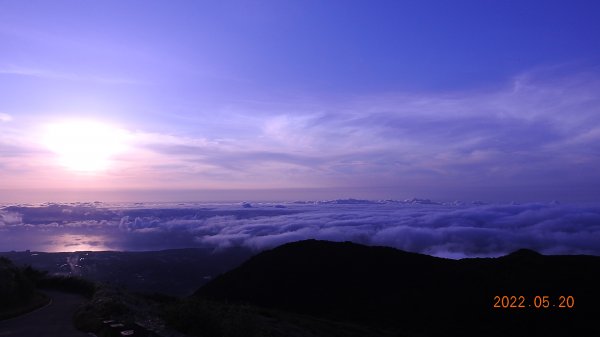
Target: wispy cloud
4 117
532 130
537 133
69 76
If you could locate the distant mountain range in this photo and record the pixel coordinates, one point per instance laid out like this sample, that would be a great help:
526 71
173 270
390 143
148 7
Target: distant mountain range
419 295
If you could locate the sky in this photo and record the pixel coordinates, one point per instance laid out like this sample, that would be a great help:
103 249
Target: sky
285 100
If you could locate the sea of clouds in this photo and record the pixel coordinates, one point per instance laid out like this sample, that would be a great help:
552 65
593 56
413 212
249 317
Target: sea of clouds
449 230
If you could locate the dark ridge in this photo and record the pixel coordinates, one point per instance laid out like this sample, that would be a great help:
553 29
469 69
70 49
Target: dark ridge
524 253
415 294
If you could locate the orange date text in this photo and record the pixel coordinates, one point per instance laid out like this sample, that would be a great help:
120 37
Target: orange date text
535 302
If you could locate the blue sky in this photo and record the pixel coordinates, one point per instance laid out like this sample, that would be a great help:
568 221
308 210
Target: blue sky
493 100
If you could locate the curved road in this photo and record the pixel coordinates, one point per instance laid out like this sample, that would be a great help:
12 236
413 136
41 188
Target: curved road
53 320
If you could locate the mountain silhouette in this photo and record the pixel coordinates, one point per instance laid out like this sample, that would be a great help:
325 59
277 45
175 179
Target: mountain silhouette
419 295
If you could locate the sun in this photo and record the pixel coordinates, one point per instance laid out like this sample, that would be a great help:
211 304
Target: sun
85 146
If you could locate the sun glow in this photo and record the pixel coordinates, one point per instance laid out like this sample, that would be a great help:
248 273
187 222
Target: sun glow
85 146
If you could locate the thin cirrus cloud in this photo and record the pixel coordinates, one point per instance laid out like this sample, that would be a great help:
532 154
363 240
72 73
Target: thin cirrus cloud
5 117
58 75
451 230
529 132
537 137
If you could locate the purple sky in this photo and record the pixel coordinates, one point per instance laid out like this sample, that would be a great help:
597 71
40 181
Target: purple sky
269 100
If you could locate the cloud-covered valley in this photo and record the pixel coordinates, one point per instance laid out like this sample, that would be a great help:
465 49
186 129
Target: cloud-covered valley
451 230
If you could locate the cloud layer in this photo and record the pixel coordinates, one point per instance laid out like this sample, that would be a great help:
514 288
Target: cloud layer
451 230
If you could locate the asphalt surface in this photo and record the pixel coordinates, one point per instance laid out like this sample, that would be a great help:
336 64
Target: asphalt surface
54 320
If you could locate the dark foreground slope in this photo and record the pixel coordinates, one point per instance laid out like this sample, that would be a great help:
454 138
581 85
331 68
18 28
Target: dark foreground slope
17 291
419 295
53 320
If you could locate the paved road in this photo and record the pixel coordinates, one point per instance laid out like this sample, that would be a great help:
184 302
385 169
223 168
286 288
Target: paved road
54 320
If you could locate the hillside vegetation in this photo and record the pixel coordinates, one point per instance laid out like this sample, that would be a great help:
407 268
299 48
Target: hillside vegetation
17 291
418 295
